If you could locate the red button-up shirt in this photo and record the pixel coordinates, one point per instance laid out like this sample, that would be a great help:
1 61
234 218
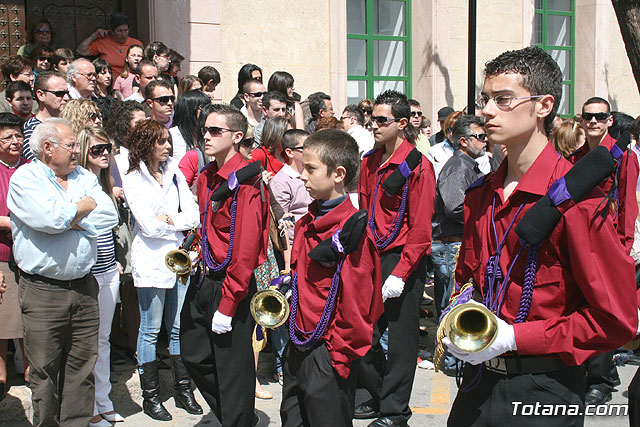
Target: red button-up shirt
359 302
624 218
415 232
583 300
251 229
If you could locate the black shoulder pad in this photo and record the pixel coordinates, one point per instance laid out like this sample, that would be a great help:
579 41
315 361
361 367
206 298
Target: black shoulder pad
621 145
235 179
398 177
477 183
328 251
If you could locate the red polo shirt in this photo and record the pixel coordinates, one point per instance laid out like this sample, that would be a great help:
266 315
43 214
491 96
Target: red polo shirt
251 229
625 218
415 233
359 302
583 300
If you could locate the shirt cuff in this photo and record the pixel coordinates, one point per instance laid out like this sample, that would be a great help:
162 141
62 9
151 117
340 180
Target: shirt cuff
341 364
227 306
530 338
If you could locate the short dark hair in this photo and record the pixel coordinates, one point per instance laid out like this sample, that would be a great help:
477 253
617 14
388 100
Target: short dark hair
414 103
14 65
10 120
292 137
209 73
42 80
155 48
148 91
118 123
622 123
597 100
272 96
462 128
316 103
117 19
144 62
61 54
335 148
355 112
247 85
17 86
235 120
398 102
541 75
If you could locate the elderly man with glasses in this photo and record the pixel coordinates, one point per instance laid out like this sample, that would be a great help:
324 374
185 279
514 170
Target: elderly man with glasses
81 77
57 213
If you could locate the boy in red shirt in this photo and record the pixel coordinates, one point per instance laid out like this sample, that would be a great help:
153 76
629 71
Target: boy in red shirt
216 324
336 289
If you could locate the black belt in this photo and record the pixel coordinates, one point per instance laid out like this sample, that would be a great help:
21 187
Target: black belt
448 239
215 275
517 365
73 283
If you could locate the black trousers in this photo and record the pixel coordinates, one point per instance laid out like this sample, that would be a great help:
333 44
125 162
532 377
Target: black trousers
510 400
634 400
221 365
390 381
313 394
602 373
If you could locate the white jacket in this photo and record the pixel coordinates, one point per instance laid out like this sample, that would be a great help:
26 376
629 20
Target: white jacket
154 238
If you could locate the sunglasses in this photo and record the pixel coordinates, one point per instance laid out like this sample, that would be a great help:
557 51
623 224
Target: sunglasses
98 149
416 113
300 148
43 31
598 116
44 58
257 94
383 120
247 142
57 93
215 130
164 100
479 136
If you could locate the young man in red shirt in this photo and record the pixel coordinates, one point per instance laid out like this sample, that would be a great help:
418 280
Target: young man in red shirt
581 298
401 224
336 289
216 324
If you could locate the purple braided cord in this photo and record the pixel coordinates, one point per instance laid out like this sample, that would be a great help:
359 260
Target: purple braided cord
463 297
527 287
327 312
394 230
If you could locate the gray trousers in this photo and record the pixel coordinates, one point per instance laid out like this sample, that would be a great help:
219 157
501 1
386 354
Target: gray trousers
60 327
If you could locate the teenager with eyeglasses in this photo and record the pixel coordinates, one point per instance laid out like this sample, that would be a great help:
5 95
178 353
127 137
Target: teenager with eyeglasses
52 94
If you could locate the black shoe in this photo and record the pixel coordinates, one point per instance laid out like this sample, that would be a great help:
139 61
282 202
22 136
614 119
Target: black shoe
3 391
597 397
634 359
388 422
366 410
152 405
183 394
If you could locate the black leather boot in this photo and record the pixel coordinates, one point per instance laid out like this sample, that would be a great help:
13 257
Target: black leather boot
183 395
152 405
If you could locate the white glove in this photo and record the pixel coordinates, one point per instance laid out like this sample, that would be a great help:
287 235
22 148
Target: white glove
638 331
504 342
221 323
392 287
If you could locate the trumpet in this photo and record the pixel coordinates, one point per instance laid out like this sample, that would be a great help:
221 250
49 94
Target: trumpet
179 261
269 307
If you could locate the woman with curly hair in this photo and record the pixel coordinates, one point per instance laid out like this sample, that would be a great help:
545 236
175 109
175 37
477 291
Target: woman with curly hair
81 113
163 207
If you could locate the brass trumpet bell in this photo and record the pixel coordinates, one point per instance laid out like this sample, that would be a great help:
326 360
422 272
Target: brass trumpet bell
471 327
179 262
269 308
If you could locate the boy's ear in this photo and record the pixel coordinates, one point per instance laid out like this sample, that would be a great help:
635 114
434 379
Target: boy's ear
545 105
340 174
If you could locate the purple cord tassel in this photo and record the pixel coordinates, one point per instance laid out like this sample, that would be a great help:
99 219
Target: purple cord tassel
527 287
394 230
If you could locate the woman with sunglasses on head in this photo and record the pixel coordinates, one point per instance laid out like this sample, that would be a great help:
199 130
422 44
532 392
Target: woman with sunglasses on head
81 113
366 106
282 82
41 34
104 80
95 156
185 132
124 82
163 207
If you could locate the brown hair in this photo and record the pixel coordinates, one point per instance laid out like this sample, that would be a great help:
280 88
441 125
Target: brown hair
451 120
84 139
564 138
141 141
327 123
187 83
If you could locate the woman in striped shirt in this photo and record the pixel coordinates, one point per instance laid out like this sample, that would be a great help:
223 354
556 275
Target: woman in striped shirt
95 156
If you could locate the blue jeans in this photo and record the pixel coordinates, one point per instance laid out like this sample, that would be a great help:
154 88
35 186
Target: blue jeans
443 256
153 302
279 339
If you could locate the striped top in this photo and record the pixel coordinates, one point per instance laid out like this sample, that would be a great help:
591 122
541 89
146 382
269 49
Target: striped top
28 128
106 254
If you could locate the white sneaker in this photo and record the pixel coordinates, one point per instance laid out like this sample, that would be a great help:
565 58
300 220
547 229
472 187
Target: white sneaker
101 423
114 418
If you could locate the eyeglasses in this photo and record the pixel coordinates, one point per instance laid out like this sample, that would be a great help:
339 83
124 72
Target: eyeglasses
98 149
300 148
57 93
215 130
346 117
383 120
502 101
166 57
43 31
479 136
90 76
257 94
416 113
164 100
44 58
70 148
599 116
8 139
